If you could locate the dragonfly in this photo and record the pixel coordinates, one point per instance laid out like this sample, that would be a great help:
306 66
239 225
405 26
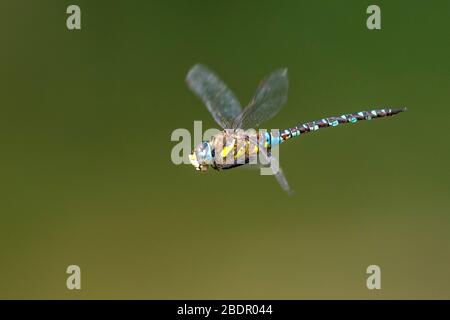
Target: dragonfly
239 143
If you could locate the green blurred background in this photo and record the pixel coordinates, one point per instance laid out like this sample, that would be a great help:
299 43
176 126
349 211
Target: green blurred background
87 179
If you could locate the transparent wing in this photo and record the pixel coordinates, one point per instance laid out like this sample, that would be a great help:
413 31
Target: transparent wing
279 175
269 98
272 162
220 101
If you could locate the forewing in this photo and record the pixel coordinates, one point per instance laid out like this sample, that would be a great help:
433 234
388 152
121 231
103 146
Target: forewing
220 101
269 98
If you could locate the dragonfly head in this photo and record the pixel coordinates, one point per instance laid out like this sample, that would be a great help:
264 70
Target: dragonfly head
201 157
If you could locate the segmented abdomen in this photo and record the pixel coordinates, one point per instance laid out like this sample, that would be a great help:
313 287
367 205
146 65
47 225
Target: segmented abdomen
335 121
237 147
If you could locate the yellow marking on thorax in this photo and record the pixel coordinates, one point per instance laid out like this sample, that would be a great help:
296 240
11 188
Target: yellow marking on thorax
227 149
246 149
241 151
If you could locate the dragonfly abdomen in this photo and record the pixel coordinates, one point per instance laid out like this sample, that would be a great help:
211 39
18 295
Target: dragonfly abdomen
238 147
303 128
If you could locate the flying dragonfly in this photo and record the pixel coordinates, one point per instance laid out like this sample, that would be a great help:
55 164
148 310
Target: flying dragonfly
238 144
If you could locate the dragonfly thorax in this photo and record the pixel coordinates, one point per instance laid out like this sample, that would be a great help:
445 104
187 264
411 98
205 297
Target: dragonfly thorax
201 157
